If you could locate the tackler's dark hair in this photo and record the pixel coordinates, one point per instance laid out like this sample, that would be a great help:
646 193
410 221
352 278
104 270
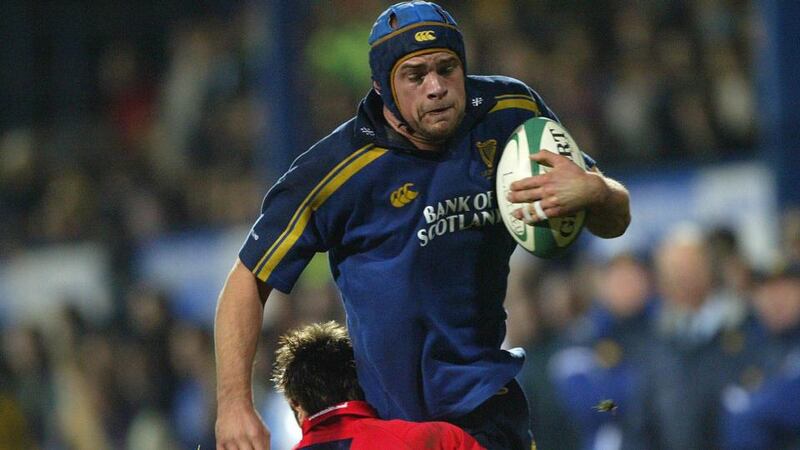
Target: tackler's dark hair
315 367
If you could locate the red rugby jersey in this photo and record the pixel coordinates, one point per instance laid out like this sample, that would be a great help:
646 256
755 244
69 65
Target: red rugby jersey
354 425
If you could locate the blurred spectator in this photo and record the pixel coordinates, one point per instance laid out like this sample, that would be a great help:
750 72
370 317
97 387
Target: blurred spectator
550 303
27 378
762 410
630 111
731 271
194 48
128 96
148 327
150 430
81 382
21 187
701 347
733 99
605 353
14 432
68 210
193 402
790 233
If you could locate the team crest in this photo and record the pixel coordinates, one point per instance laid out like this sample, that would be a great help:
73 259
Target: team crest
487 150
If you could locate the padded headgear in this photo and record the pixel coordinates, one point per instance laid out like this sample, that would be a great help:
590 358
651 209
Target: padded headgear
416 27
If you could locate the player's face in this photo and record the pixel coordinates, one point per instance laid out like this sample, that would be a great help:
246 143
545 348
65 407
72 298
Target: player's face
429 91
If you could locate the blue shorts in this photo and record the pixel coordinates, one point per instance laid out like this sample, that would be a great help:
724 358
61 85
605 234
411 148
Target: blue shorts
502 422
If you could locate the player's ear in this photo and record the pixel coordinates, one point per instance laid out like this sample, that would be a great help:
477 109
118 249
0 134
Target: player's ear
376 86
299 413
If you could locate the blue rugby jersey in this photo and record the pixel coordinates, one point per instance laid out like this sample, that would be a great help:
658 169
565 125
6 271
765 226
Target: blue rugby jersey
416 246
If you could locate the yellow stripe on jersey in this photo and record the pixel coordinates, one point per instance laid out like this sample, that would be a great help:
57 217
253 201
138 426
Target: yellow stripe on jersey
525 96
313 192
321 192
521 102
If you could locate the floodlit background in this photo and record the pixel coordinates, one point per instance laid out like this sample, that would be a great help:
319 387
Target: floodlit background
138 138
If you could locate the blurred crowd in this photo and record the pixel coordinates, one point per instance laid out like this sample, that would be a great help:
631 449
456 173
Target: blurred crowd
161 121
143 381
636 83
693 347
154 121
686 346
160 137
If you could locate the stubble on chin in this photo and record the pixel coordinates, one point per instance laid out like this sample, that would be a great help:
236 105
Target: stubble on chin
439 131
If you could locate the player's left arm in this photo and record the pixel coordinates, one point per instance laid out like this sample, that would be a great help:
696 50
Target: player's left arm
610 214
567 188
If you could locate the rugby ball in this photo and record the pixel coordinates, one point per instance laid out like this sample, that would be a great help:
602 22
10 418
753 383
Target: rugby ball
551 237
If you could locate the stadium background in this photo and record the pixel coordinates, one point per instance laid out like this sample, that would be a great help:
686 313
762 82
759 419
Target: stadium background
138 138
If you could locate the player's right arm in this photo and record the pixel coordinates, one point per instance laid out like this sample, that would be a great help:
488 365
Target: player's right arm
238 321
299 216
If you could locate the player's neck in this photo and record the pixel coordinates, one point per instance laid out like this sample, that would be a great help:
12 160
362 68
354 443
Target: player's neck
408 133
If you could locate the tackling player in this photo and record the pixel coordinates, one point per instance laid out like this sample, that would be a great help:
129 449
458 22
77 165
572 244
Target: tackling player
316 372
401 197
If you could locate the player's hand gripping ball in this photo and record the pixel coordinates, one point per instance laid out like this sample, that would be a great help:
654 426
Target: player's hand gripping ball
543 236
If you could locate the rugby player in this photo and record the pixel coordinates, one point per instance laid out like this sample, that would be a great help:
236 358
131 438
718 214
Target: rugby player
401 197
316 372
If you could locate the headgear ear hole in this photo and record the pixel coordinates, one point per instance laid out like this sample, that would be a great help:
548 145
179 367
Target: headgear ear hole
393 20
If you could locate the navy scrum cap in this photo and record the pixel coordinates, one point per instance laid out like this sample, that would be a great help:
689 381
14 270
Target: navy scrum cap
405 30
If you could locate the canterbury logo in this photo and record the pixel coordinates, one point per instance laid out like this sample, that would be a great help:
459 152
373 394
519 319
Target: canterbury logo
403 196
422 36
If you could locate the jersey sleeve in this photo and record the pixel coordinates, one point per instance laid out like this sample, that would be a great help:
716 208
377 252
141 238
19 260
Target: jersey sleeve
286 235
297 219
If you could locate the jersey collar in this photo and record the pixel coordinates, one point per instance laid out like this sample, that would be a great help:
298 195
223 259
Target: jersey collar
349 408
371 127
